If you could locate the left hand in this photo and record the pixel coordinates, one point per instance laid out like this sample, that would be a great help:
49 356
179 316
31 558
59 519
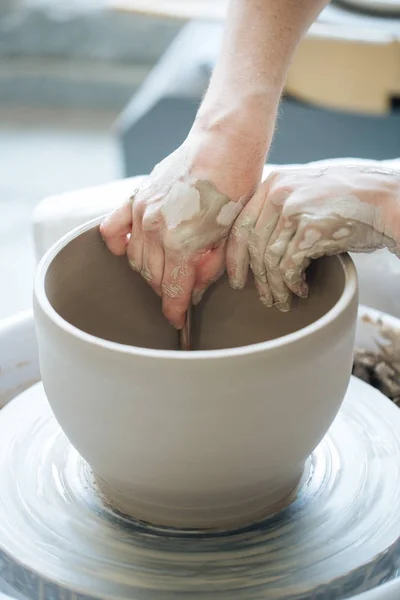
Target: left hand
300 214
174 228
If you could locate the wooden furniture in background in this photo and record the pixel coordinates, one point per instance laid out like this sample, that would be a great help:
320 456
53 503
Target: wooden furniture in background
348 61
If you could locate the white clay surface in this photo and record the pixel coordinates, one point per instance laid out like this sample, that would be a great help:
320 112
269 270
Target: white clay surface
196 439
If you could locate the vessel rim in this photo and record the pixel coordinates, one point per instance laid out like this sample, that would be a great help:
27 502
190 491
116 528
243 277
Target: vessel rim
345 299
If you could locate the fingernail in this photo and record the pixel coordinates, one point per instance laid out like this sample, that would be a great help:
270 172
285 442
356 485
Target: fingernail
283 306
266 301
301 290
235 283
304 290
178 325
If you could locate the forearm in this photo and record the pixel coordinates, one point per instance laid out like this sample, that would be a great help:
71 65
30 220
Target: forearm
261 37
241 103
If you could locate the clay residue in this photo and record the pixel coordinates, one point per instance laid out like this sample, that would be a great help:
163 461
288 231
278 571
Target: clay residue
381 369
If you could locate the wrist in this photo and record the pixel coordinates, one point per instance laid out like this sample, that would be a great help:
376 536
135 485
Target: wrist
231 154
249 117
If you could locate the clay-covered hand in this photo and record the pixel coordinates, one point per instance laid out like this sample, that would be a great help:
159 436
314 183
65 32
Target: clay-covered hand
297 215
175 226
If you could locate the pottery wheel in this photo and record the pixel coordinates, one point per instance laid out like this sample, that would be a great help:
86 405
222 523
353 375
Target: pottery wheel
339 536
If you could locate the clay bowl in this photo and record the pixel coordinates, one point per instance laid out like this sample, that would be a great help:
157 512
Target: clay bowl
213 438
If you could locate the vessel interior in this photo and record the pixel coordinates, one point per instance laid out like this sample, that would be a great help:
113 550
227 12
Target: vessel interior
99 294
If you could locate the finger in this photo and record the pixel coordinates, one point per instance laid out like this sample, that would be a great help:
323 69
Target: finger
153 252
116 227
294 266
209 270
296 259
237 255
258 241
276 248
135 246
152 262
308 241
315 238
177 286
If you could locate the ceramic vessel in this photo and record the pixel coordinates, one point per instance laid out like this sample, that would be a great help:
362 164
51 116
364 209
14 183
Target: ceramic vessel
71 511
213 438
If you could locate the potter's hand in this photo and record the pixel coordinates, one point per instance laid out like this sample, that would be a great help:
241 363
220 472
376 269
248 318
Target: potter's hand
300 214
180 218
175 226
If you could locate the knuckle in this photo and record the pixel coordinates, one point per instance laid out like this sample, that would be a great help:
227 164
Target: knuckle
270 259
173 246
241 229
152 222
132 198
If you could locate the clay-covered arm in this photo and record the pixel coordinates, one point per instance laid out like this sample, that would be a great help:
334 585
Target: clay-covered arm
175 227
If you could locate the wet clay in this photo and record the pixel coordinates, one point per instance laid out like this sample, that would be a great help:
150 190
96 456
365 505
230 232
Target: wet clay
100 294
381 369
190 439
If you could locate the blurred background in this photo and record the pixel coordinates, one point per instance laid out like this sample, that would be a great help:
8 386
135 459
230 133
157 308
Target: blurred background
94 90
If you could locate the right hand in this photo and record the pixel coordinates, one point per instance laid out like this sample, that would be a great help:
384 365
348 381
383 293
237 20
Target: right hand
300 214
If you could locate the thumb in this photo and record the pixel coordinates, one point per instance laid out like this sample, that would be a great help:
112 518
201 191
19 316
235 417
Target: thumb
116 227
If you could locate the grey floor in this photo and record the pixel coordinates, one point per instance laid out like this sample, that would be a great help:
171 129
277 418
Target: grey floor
43 153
